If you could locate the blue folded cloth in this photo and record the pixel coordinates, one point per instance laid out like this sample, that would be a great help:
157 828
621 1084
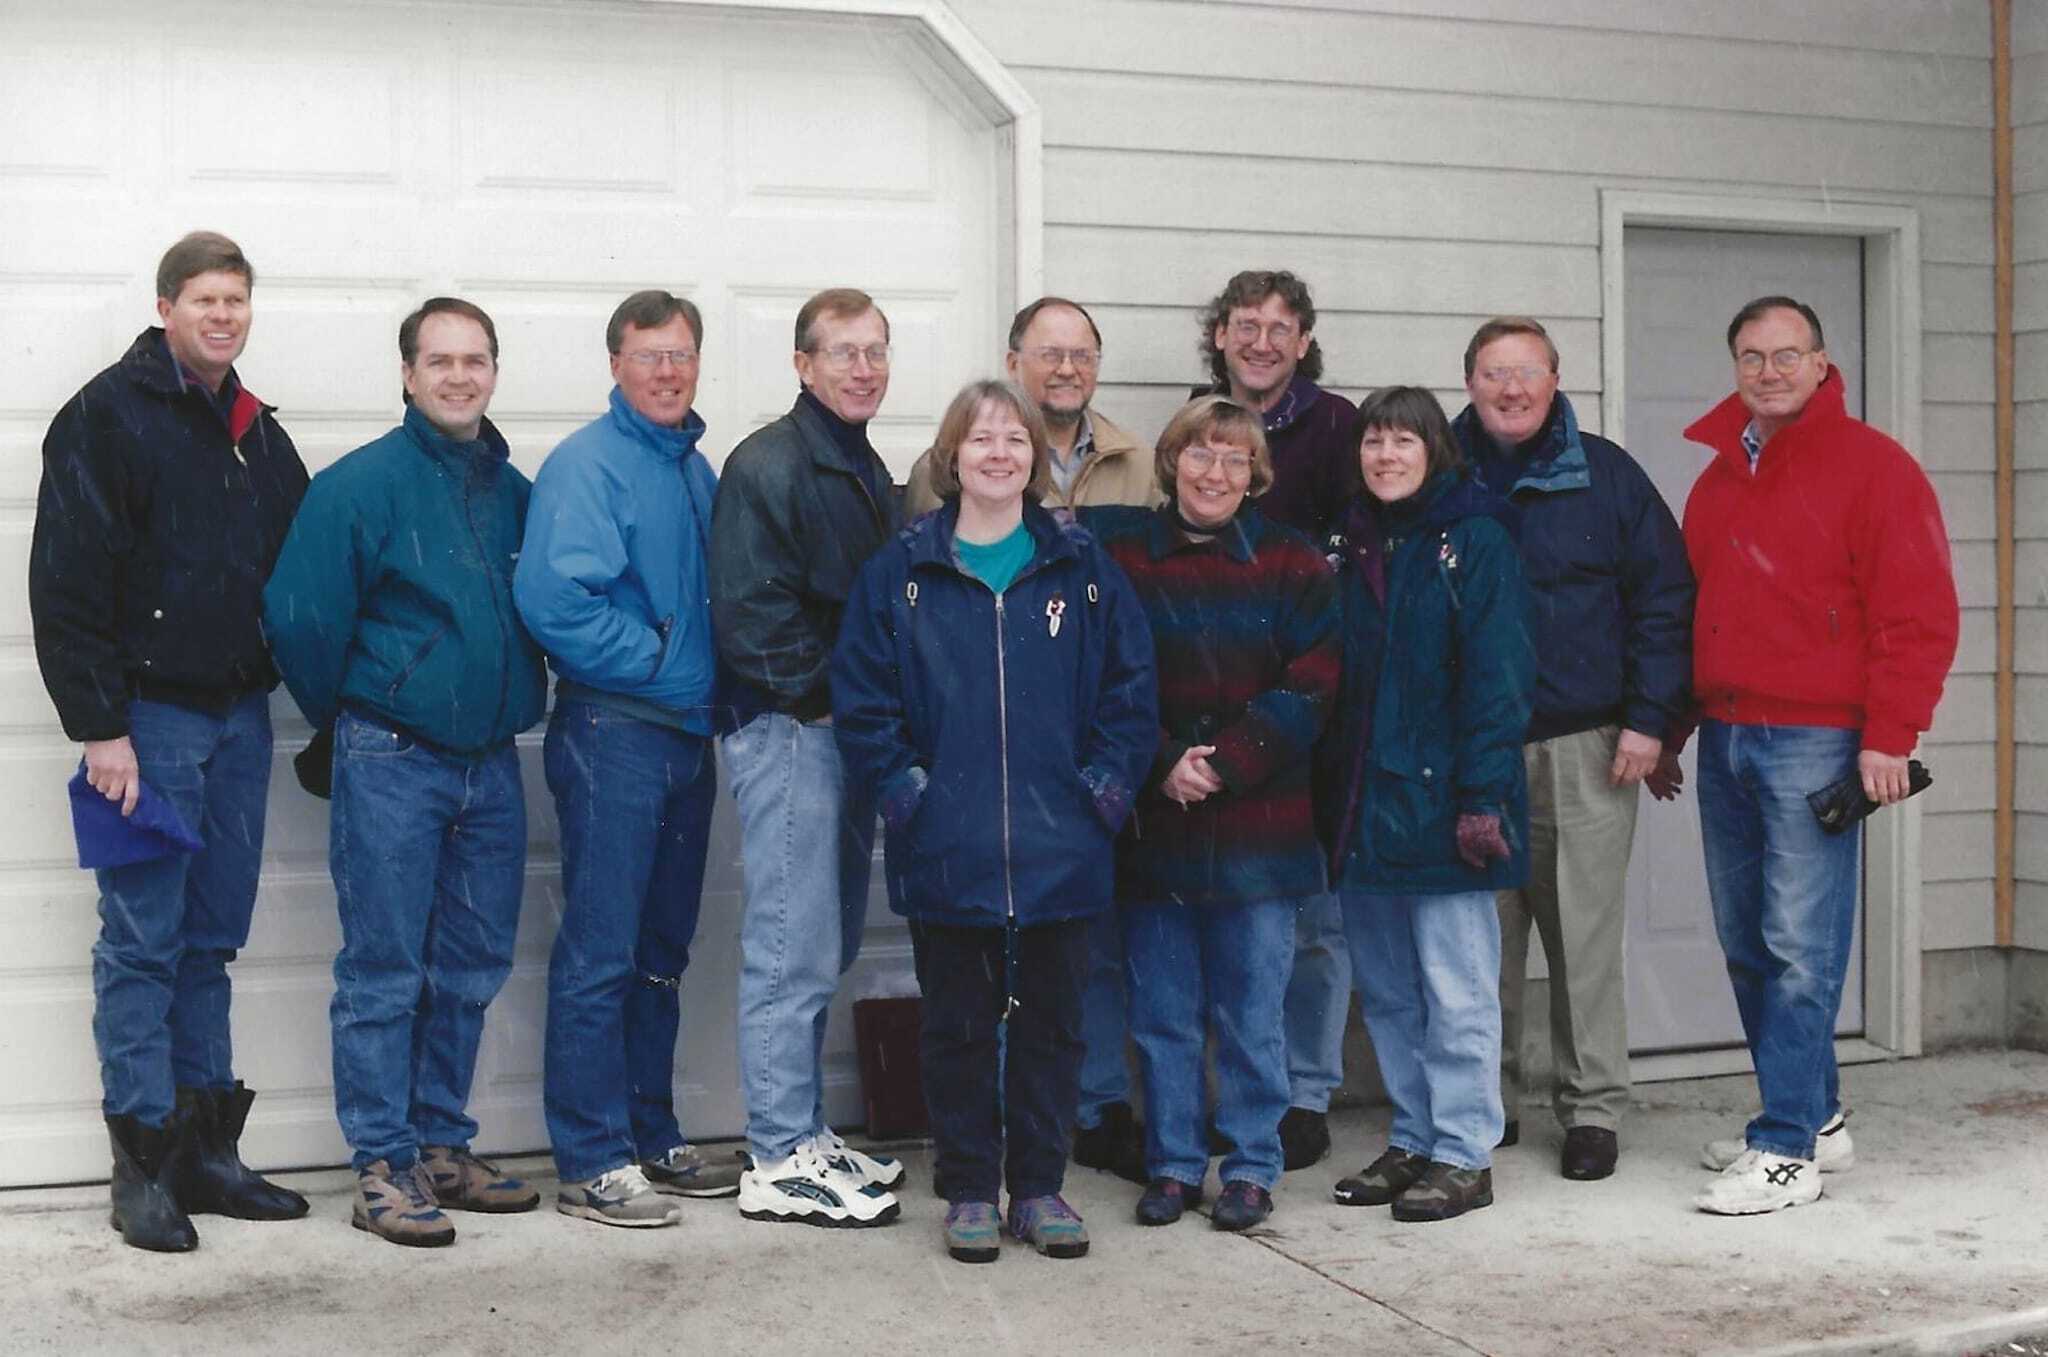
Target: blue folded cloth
107 838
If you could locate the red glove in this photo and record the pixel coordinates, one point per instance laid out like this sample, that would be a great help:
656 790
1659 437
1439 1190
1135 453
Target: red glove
1480 841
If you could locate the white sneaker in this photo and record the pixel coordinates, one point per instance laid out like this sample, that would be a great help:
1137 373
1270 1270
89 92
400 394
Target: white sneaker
879 1169
811 1189
1758 1182
621 1197
1833 1151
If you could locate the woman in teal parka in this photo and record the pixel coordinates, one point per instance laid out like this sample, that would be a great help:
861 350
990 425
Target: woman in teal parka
1422 798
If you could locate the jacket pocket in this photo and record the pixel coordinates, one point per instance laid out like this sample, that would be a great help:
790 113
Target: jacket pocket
412 665
1413 819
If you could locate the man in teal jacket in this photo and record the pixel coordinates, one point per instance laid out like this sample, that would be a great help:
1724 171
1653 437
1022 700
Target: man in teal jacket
613 583
390 615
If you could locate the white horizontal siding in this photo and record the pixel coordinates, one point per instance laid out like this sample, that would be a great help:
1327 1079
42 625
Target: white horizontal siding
1428 163
2030 320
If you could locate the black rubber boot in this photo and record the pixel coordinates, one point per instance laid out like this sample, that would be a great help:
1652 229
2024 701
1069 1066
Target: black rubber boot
146 1212
211 1178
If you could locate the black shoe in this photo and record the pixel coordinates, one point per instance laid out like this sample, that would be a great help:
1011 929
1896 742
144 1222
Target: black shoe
1511 1134
1589 1153
1382 1180
1117 1145
1165 1200
1445 1192
1240 1206
1304 1138
211 1178
145 1209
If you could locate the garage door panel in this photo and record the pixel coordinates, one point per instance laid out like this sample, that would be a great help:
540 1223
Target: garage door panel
371 155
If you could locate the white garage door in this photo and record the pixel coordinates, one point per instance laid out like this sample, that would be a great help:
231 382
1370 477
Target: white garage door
542 160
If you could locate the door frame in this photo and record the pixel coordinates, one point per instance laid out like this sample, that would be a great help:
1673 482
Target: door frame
1891 396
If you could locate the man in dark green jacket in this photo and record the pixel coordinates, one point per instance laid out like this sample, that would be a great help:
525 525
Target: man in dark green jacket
390 615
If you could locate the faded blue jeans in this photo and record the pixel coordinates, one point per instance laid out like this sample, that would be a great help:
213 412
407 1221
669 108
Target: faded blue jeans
429 859
169 928
1784 895
1318 1004
634 802
1196 971
1428 974
807 846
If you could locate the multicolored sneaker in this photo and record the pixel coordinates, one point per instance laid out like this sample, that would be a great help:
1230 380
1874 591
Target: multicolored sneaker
880 1170
399 1205
808 1189
1384 1179
687 1171
1049 1225
463 1182
621 1197
1445 1192
972 1232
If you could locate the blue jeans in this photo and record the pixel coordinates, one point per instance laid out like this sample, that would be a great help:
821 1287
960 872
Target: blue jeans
634 801
169 928
1318 1004
1223 969
807 848
429 859
1428 973
1105 1021
1784 896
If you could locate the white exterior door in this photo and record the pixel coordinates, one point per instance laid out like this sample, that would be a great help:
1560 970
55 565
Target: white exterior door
1681 288
543 160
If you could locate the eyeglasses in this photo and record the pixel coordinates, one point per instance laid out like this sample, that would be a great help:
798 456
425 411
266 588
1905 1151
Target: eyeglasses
1278 333
842 355
651 359
1084 360
1749 362
1526 373
1236 465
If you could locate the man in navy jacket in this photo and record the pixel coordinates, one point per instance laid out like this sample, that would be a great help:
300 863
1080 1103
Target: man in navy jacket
1611 618
613 582
167 488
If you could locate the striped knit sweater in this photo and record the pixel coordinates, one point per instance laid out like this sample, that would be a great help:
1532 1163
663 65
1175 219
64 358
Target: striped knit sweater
1246 629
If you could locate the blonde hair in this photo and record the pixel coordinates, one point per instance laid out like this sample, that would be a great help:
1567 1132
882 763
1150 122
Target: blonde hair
959 419
1213 417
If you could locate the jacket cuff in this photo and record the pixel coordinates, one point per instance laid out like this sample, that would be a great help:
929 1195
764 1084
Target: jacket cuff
1645 718
902 795
1889 737
1169 754
1111 796
813 705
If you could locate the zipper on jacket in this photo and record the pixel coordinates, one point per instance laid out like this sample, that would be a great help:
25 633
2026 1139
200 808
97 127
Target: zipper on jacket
505 641
1003 753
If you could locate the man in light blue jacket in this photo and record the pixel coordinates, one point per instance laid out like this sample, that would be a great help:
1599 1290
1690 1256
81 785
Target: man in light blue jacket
612 582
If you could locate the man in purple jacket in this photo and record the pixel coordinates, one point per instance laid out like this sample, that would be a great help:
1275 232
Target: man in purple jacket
1258 334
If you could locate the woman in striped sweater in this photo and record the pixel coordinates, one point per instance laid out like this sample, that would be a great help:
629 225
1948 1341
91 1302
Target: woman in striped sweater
1222 844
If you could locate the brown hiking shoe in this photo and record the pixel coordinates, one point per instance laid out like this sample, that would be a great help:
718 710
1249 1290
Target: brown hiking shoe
398 1205
1384 1179
463 1182
1444 1192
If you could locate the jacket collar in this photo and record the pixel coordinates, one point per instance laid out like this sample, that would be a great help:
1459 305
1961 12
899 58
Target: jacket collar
666 442
1163 536
487 451
817 436
929 540
1552 459
1721 427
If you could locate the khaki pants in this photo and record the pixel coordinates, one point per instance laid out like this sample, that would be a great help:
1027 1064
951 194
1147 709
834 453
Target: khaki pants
1580 830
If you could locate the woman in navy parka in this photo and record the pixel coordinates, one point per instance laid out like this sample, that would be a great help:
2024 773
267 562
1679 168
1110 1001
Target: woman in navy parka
1422 795
993 685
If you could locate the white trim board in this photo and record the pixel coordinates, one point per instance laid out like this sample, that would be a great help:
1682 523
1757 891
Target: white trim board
1892 373
1669 1065
1008 106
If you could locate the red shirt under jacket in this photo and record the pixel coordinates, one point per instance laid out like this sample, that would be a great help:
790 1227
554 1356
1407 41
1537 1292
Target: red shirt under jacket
1826 593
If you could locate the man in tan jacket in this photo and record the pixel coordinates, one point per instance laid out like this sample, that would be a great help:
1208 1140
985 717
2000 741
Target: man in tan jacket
1055 355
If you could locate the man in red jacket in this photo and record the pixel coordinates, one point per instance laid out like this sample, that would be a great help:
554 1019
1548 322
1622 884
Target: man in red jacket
1825 626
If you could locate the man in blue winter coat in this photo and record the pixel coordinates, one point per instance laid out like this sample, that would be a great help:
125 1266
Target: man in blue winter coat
390 613
1611 620
613 583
